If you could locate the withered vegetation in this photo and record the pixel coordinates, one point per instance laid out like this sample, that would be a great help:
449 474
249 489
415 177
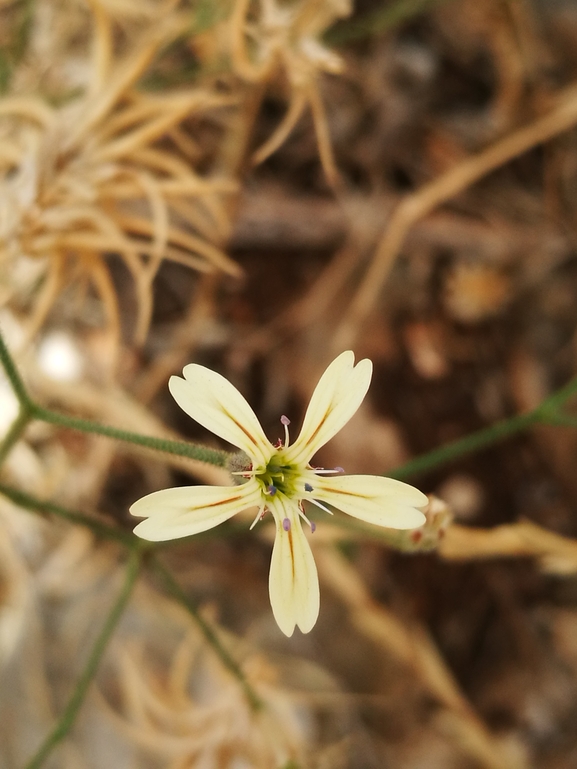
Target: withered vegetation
226 183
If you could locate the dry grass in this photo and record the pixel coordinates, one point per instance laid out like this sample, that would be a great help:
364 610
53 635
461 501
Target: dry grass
272 200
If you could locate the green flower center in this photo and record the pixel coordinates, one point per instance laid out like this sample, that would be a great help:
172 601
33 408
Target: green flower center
279 476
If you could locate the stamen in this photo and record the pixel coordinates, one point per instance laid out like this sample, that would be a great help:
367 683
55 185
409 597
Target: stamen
286 524
245 473
308 487
286 422
272 490
303 515
322 471
322 507
259 517
305 519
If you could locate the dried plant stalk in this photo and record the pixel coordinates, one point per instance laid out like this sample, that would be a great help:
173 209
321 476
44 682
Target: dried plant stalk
90 179
554 553
414 207
413 646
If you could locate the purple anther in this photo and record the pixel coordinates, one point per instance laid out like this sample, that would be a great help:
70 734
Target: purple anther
272 490
308 487
339 469
286 524
313 527
285 421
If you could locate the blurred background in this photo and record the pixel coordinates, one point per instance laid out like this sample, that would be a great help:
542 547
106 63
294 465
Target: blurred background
256 185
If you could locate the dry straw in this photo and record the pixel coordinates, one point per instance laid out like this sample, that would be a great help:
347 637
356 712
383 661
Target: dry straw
106 173
116 168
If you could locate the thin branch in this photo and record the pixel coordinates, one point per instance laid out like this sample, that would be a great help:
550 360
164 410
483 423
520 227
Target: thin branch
135 544
417 205
212 639
378 22
13 435
70 713
179 448
463 446
548 412
13 375
43 507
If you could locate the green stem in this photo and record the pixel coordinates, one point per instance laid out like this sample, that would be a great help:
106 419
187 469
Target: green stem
379 21
547 412
13 435
14 377
554 402
227 660
30 410
179 448
463 446
562 420
135 544
33 504
70 713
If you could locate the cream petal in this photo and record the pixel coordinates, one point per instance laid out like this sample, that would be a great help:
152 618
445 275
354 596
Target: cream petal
212 401
180 512
293 580
374 499
336 398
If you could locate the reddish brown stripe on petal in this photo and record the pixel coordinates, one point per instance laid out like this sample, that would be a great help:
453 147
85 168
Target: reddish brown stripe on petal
238 424
291 545
346 493
320 424
215 504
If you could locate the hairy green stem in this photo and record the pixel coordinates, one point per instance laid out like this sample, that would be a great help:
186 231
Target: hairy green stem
13 435
463 446
14 377
131 542
179 448
378 21
29 502
30 410
548 412
68 717
227 660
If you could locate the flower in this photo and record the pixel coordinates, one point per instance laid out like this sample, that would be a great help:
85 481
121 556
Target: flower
279 478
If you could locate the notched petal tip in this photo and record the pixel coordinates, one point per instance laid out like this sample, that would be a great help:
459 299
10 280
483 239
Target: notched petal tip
374 499
215 403
337 396
293 580
187 510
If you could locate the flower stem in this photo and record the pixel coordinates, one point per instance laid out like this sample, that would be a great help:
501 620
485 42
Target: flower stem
13 435
70 713
13 375
378 22
100 529
227 660
547 412
179 448
463 446
30 410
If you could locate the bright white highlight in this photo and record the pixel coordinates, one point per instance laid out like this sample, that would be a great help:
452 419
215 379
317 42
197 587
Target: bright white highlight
59 357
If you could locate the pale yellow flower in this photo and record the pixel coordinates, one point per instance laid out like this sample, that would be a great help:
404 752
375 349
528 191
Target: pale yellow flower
279 478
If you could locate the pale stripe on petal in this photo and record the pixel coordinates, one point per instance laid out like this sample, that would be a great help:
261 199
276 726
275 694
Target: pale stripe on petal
212 401
337 396
186 510
293 580
374 499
